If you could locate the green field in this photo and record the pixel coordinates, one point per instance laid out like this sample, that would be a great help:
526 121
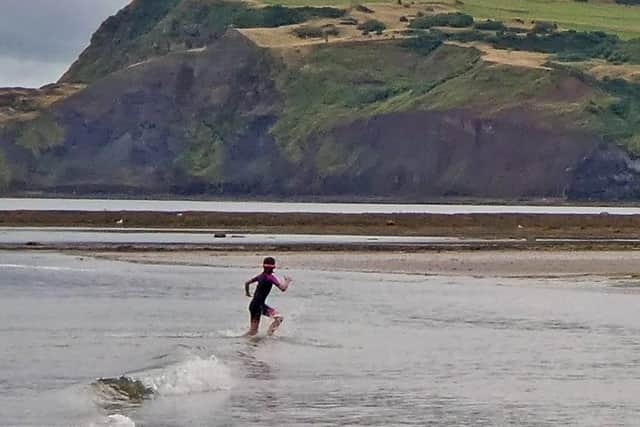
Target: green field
608 17
570 14
337 3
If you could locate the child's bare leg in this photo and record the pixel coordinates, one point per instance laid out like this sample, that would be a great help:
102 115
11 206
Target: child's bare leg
253 329
277 321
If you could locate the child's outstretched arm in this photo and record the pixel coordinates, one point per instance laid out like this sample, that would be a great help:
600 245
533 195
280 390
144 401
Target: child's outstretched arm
246 286
284 284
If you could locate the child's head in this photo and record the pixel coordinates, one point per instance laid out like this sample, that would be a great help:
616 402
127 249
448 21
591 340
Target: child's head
269 264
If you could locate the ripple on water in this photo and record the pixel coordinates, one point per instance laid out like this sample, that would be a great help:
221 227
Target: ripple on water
496 323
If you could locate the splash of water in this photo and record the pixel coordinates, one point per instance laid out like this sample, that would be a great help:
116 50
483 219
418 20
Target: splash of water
116 420
194 375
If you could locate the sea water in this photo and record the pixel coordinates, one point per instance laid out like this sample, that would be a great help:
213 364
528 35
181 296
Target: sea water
355 348
100 205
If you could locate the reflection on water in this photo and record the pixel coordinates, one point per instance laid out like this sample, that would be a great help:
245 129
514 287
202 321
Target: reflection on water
7 204
30 236
9 235
356 349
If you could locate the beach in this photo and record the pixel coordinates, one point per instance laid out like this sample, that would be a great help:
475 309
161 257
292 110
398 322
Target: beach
485 245
482 263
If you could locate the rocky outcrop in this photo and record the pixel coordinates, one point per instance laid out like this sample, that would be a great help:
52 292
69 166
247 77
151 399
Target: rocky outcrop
606 173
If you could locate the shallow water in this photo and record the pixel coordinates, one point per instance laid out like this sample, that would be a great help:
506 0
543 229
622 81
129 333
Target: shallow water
355 348
167 236
50 235
12 204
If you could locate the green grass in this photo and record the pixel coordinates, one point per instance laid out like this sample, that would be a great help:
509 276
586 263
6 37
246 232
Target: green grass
205 157
211 134
335 3
488 89
610 108
583 16
346 82
617 115
145 29
113 46
609 17
341 83
5 171
40 134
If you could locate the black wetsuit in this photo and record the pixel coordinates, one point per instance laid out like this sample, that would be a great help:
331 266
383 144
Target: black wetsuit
258 306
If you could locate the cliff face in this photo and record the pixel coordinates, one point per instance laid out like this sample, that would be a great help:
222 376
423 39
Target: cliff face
456 153
606 173
194 121
233 118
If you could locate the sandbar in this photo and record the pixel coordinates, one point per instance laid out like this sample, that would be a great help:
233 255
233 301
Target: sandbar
486 263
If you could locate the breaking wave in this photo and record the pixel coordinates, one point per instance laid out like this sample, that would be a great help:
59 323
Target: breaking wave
194 375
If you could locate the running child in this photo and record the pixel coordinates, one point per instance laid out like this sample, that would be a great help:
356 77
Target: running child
258 306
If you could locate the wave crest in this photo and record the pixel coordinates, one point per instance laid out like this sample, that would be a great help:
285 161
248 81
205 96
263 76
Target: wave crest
194 375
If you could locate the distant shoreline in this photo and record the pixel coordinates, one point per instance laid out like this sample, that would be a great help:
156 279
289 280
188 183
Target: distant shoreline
350 199
311 199
492 245
469 225
523 231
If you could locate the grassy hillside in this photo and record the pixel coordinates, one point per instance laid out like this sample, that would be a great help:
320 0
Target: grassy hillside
5 171
585 16
339 83
120 40
281 105
342 82
152 28
602 15
40 134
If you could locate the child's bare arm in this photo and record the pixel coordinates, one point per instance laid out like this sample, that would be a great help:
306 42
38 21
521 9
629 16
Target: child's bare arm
246 286
284 284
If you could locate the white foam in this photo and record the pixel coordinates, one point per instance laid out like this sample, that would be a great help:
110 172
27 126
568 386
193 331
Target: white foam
118 420
231 333
115 420
43 267
195 375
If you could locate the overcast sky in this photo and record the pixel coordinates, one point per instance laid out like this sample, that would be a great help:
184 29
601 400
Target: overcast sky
39 39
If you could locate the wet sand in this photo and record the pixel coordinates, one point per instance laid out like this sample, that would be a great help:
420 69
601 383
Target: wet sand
601 248
486 263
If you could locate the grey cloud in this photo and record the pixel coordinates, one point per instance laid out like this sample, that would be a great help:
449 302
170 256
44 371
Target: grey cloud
28 72
47 34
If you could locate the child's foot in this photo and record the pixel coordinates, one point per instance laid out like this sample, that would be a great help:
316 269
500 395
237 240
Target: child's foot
276 323
251 332
253 329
